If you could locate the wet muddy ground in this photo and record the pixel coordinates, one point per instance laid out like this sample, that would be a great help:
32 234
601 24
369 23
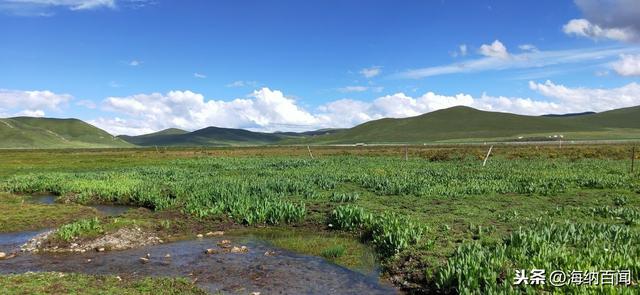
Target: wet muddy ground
279 272
263 268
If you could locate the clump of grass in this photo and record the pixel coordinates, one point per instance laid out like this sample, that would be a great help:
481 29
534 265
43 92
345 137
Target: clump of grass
390 233
344 197
490 268
79 228
620 200
333 252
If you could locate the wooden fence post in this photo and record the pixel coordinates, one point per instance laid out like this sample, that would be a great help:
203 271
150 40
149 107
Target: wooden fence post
406 153
487 157
633 159
310 154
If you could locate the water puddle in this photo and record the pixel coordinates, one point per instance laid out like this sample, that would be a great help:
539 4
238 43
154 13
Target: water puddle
11 242
283 273
108 210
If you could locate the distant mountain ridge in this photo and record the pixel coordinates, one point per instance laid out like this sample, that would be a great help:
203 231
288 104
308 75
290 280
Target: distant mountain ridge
569 115
468 124
456 124
215 136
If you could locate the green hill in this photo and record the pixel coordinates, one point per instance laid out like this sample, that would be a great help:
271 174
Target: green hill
152 138
466 124
210 136
28 132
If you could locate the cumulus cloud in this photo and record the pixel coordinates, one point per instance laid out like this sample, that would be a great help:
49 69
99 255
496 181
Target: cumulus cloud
595 99
495 49
264 109
32 102
199 76
31 113
371 72
584 28
612 19
628 65
271 110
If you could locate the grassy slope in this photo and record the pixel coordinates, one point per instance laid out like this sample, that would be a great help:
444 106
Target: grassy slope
465 123
210 136
27 132
149 139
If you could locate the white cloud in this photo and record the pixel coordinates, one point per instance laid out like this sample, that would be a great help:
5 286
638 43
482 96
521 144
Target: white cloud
240 83
31 103
135 63
584 28
49 7
463 49
496 49
114 84
371 72
628 65
271 110
264 109
31 113
593 99
525 60
353 89
70 4
199 76
612 19
528 47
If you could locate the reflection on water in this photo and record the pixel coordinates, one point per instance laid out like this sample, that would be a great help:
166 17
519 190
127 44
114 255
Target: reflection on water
10 242
109 210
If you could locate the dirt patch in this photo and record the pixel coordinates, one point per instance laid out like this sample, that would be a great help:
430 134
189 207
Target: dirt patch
123 238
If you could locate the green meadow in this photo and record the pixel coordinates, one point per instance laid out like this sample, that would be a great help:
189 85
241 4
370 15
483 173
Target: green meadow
438 221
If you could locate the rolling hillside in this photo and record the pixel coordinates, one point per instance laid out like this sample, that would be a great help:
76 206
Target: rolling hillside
28 132
468 124
210 136
457 124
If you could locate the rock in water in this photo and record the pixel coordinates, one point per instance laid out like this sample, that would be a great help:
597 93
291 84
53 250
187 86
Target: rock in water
240 250
215 233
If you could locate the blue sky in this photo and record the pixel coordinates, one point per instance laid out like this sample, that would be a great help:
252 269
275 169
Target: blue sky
136 66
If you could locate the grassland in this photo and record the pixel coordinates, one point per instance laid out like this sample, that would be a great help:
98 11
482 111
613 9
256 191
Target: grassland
62 283
439 221
19 215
